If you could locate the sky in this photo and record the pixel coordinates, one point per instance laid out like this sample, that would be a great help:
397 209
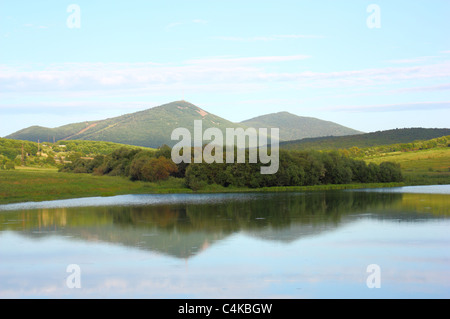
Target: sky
369 65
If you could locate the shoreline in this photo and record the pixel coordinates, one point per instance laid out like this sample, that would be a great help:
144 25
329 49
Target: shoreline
37 185
37 190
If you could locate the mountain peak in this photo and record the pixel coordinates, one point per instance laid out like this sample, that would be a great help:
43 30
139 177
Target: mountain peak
182 105
297 127
153 127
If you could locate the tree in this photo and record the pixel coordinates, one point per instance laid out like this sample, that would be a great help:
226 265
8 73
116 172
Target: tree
157 169
390 172
136 167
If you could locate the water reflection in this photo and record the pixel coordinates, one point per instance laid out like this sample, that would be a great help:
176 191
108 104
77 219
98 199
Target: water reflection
187 227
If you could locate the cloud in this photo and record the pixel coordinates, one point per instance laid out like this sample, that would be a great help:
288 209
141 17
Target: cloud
98 76
401 107
439 87
233 74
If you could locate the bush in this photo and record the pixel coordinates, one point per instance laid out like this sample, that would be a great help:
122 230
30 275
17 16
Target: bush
390 172
9 165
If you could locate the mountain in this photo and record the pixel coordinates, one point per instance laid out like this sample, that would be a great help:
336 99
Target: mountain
406 135
153 127
150 128
293 127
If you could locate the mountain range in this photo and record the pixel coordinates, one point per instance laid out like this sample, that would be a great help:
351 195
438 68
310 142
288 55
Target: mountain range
153 127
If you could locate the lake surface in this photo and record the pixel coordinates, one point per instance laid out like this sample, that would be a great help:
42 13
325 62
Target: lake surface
258 245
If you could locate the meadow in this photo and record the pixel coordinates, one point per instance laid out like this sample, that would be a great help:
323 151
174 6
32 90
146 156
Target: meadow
423 167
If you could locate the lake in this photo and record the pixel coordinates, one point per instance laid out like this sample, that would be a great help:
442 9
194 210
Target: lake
371 243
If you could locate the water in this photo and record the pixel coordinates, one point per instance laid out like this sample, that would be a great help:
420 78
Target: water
274 245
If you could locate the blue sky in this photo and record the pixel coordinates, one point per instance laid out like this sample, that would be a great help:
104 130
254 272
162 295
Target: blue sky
236 59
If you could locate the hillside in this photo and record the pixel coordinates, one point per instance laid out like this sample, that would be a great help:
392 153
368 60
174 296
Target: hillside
406 135
293 127
153 127
148 128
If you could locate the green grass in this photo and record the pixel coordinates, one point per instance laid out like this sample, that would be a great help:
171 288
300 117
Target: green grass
426 167
32 184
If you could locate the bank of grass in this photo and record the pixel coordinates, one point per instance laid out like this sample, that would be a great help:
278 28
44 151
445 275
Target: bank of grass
41 184
35 184
423 167
221 189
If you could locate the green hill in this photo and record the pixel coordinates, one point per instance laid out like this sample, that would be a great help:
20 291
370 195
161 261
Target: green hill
153 127
148 128
293 127
406 135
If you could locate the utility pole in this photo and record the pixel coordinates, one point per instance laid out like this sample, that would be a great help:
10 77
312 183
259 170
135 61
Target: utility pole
23 157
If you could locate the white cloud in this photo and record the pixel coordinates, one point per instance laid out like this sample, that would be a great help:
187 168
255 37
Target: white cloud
438 87
206 74
399 107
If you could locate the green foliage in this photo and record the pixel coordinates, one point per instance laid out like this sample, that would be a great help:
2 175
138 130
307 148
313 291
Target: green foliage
295 169
135 163
402 138
152 169
9 165
441 142
90 148
12 148
389 172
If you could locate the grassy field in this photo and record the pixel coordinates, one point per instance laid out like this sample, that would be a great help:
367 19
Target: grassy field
427 167
35 184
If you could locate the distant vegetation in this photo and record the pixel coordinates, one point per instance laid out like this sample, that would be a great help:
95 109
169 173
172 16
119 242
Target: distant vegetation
17 153
375 139
440 142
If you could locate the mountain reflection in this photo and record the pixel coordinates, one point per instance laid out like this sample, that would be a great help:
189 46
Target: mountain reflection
185 229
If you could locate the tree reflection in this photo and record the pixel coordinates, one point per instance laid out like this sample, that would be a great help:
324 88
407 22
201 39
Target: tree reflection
184 229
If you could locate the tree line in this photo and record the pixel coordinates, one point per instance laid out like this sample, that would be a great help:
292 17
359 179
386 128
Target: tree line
296 168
